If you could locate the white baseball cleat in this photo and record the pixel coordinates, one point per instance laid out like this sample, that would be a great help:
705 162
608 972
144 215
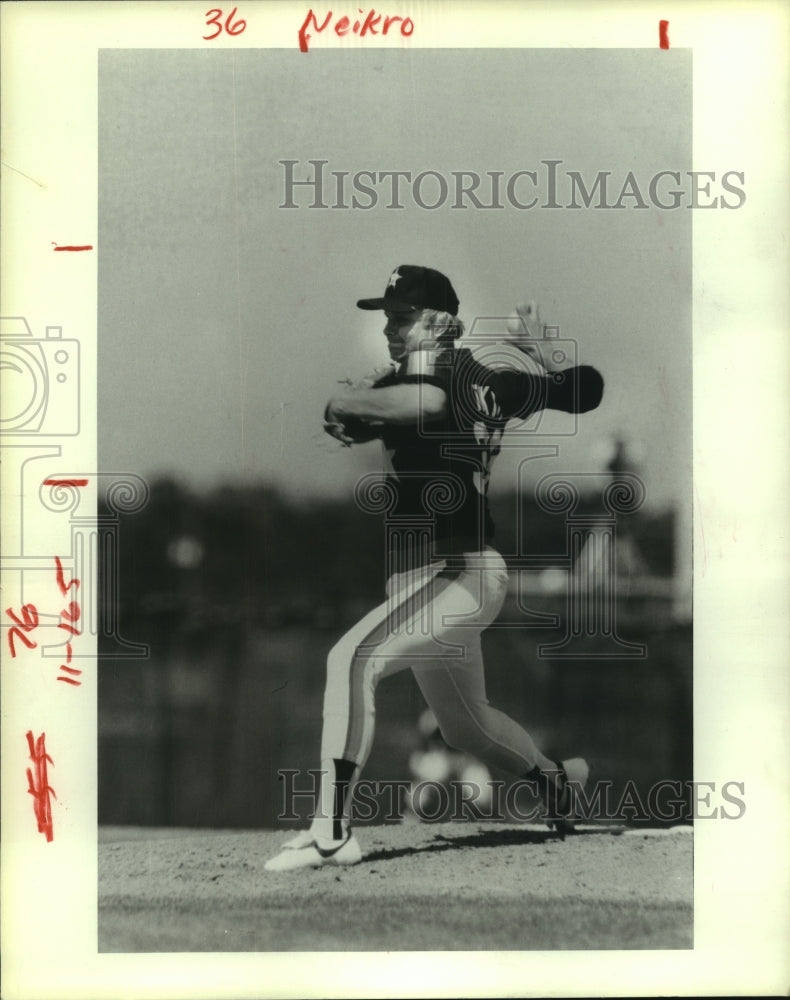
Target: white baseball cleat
309 851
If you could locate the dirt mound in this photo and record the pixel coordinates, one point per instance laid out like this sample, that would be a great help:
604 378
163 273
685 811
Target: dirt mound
419 887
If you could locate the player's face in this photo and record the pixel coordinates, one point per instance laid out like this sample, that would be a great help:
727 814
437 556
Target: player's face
404 332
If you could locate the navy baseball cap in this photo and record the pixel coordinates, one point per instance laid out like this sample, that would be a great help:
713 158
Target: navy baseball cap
420 287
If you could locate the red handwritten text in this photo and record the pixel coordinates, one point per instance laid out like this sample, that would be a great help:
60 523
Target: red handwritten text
230 26
38 784
22 625
343 25
663 34
61 578
27 620
69 616
65 482
86 247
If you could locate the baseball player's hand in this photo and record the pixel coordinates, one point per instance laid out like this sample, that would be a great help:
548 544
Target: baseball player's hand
338 431
525 331
355 431
350 430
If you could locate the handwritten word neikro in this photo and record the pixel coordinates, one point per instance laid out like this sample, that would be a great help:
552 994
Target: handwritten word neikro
343 25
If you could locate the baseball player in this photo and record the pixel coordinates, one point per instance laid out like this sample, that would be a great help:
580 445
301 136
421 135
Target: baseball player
440 414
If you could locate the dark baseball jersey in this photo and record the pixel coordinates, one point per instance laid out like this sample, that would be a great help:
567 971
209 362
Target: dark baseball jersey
438 471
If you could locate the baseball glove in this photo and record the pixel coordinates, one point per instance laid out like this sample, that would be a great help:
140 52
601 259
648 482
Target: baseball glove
353 430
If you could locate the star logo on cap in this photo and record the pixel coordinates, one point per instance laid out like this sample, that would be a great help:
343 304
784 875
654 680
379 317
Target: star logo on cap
394 278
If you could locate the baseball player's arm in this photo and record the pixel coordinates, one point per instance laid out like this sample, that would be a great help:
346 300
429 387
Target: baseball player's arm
573 390
399 405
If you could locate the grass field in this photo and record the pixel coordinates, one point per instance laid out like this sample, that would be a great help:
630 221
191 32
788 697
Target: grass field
419 887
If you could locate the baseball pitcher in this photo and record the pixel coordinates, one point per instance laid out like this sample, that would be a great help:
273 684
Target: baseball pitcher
440 413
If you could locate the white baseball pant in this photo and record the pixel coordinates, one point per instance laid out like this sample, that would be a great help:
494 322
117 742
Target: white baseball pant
431 623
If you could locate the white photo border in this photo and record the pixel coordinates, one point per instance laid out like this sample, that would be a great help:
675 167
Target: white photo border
741 364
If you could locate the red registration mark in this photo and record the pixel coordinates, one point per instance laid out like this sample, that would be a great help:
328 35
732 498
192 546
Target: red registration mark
38 784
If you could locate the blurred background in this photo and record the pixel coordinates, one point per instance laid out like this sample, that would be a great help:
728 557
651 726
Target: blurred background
225 322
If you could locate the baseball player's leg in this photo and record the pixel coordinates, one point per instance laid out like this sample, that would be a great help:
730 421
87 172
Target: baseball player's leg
432 621
431 624
407 627
467 721
386 640
455 691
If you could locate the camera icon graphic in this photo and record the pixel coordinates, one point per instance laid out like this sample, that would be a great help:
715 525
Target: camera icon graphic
491 341
40 379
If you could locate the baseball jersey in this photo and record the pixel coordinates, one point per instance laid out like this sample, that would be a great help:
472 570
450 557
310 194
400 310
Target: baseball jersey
438 471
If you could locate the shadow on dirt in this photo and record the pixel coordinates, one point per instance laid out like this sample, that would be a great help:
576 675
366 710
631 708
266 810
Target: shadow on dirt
488 838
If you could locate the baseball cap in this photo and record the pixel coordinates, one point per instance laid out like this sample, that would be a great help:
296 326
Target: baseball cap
410 285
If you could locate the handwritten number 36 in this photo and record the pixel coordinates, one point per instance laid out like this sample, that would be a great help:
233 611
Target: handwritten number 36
213 17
